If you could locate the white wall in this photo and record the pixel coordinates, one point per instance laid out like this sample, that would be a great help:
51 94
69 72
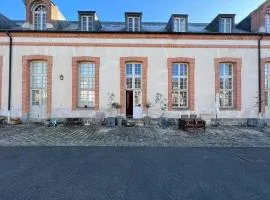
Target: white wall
157 72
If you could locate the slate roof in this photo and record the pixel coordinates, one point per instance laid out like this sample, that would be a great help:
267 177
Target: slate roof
7 24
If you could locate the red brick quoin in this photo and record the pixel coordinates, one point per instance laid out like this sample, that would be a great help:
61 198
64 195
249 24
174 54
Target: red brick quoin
237 66
191 91
264 61
75 74
26 60
123 62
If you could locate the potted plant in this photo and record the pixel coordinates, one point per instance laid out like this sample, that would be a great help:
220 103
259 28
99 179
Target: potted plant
162 103
117 107
147 119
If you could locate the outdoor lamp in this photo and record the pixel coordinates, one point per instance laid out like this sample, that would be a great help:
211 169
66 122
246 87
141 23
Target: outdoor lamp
61 77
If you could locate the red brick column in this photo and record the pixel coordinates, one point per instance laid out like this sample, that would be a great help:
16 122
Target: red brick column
26 60
191 80
264 61
237 66
75 75
1 80
123 61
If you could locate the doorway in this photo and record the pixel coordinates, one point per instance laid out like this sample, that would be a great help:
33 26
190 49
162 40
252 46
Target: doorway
38 90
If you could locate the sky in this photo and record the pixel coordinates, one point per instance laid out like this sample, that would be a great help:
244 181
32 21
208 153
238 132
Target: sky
153 10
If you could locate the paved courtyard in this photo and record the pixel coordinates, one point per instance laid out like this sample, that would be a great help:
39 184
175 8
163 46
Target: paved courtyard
222 136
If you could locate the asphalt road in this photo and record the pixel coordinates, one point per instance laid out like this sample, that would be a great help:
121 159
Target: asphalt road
134 173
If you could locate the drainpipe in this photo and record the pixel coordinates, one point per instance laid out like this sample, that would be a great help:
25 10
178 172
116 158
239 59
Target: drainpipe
260 78
10 74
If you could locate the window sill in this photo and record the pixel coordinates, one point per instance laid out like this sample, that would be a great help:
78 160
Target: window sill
180 109
88 108
227 109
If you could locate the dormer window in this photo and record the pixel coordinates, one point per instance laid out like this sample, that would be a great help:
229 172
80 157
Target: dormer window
87 23
40 17
179 24
225 25
267 21
134 24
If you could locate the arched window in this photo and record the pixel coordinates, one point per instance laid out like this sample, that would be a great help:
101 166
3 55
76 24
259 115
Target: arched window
267 20
40 17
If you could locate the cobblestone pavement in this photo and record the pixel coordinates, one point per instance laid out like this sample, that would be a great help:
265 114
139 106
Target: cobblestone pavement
222 136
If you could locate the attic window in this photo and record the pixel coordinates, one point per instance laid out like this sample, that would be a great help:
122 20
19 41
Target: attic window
267 21
40 17
225 25
87 23
134 24
179 24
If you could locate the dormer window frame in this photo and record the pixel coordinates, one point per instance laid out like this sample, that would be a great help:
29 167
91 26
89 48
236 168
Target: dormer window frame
133 25
133 21
223 25
87 22
40 17
179 24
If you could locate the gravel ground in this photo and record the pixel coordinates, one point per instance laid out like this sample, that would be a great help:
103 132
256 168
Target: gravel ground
222 136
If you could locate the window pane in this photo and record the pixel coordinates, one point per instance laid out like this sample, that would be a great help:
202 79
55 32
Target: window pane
128 69
175 99
183 99
138 83
138 69
129 83
175 84
175 70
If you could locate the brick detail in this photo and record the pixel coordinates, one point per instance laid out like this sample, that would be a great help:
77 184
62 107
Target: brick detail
26 60
264 61
75 75
191 80
258 17
29 5
123 61
237 87
1 80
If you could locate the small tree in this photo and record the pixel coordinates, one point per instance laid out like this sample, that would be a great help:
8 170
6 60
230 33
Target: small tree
162 102
117 107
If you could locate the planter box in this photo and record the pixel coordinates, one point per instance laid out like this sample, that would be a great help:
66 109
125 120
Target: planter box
254 122
119 121
163 122
110 121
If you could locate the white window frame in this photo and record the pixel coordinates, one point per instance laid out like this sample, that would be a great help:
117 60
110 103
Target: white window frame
134 26
87 23
225 77
267 83
86 101
38 82
40 15
267 21
223 23
180 78
134 76
179 24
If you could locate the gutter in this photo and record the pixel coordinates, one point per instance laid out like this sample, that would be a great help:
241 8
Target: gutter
260 77
10 74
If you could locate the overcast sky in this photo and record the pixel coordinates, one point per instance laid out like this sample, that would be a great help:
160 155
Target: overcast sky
153 10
